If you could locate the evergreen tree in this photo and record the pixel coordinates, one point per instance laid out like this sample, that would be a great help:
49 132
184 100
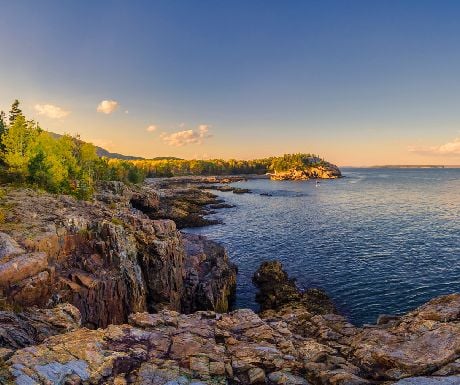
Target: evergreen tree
15 111
3 128
18 144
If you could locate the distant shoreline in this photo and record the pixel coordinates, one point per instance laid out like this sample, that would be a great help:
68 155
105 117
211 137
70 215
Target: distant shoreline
410 166
421 166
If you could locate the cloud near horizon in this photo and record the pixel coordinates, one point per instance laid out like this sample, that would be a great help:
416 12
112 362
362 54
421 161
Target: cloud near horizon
151 128
51 111
182 138
107 106
447 149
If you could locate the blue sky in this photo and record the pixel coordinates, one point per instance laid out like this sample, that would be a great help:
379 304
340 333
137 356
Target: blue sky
359 82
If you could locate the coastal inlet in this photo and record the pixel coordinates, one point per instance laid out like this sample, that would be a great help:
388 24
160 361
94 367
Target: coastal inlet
378 240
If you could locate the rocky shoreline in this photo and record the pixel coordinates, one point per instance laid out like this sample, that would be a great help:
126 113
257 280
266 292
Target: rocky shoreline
111 292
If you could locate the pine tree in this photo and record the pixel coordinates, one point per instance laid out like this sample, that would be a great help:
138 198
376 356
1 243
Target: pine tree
14 112
18 144
3 128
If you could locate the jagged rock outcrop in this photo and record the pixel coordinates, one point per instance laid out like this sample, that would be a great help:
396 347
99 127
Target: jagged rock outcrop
106 257
277 290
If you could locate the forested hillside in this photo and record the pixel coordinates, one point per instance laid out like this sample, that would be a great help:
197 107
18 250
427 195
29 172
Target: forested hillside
177 167
30 155
66 164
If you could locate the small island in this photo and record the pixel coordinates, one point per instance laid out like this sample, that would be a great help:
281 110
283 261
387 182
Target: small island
303 167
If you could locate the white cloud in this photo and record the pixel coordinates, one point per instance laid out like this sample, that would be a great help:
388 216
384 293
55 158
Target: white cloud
51 111
450 148
107 106
151 128
182 138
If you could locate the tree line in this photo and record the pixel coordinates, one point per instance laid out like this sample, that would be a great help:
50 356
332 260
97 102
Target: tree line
180 167
31 155
66 164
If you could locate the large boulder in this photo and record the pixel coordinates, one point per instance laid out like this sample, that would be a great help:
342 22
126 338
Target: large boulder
276 290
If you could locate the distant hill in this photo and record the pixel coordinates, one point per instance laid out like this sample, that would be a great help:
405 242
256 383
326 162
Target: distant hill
165 158
102 152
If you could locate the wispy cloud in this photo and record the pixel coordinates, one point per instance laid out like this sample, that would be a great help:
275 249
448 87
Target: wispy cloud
51 111
182 138
151 128
107 106
451 148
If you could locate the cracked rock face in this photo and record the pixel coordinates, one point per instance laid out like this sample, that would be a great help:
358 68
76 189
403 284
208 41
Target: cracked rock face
106 257
289 347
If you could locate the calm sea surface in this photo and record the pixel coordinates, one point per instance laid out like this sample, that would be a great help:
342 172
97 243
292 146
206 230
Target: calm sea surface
378 241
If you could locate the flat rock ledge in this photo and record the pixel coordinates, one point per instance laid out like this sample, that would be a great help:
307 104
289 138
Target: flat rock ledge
290 346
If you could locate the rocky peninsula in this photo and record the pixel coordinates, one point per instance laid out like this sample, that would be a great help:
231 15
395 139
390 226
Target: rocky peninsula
324 170
109 291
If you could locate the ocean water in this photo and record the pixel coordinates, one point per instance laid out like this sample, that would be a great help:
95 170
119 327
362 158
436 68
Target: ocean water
378 240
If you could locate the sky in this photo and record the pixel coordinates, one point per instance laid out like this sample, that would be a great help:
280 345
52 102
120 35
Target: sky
358 82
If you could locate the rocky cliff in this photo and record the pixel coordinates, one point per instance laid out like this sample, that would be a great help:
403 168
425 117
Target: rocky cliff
106 257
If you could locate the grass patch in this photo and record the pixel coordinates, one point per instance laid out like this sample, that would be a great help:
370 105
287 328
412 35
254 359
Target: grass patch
117 221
